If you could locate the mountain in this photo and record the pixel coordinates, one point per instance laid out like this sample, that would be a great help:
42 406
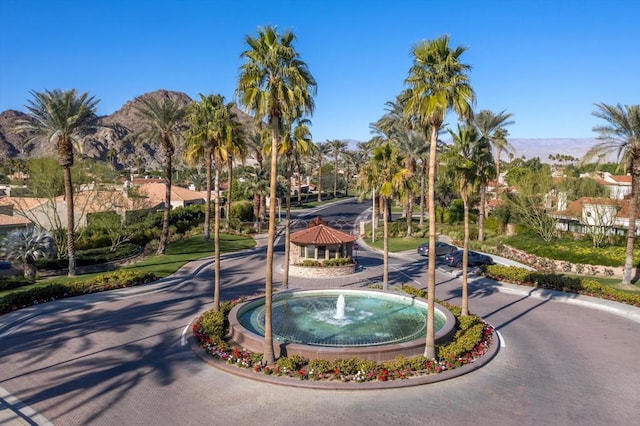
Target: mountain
542 148
113 137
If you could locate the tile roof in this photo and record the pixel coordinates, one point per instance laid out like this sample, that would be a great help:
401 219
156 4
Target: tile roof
321 235
13 220
156 192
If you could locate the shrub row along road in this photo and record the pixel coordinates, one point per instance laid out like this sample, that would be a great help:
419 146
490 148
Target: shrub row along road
120 358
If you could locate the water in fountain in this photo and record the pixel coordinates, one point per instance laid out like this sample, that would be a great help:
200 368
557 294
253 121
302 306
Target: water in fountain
339 308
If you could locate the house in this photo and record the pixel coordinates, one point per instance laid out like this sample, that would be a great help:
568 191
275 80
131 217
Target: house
180 197
583 215
9 222
51 213
619 186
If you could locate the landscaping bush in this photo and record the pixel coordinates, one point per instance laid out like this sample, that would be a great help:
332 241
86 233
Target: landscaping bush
9 283
91 257
241 210
560 282
48 292
341 261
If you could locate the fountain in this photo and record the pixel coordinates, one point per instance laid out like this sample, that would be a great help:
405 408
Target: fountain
340 308
343 323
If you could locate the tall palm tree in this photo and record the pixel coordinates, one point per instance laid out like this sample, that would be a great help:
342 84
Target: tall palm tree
236 149
273 83
464 159
213 125
437 83
412 145
257 187
162 121
320 151
62 117
337 149
296 141
492 127
622 136
385 172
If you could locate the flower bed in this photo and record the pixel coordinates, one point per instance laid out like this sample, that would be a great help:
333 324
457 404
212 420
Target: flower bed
473 339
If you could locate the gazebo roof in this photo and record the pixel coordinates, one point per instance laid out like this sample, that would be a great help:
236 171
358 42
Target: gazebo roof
321 235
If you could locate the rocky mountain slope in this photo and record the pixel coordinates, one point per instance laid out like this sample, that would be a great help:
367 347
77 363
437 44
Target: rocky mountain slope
111 141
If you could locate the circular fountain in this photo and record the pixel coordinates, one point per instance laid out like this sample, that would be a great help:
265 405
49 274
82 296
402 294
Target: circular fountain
334 324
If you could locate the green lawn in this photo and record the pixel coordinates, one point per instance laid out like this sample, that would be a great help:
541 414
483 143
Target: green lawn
398 244
176 255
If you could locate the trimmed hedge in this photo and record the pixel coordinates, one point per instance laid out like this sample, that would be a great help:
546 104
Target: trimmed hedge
560 282
91 257
49 292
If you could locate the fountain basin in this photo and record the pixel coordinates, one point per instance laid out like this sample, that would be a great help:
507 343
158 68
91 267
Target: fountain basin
340 323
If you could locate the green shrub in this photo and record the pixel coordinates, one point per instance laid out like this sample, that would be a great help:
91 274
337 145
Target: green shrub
292 363
341 261
9 283
321 366
48 292
213 324
401 363
241 210
347 366
310 262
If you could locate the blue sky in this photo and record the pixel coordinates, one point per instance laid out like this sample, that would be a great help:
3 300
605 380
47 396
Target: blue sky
547 62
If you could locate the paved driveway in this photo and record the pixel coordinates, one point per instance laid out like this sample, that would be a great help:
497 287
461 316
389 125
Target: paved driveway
119 358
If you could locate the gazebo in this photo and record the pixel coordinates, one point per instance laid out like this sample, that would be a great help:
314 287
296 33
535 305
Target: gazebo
319 243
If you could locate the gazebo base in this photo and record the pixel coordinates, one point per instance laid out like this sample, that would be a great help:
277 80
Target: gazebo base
321 271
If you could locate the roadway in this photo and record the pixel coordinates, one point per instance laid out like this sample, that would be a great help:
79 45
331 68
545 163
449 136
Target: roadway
120 357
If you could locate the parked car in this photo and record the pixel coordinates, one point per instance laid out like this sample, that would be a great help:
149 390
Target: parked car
441 248
475 259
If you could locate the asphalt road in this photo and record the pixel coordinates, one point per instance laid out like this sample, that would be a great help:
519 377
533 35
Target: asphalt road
120 358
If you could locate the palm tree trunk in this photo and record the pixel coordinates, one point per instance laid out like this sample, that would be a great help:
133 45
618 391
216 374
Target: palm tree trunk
216 243
207 208
256 210
374 216
164 235
287 229
483 209
631 232
320 181
71 239
465 257
498 153
422 173
385 245
227 216
268 355
409 216
335 177
430 346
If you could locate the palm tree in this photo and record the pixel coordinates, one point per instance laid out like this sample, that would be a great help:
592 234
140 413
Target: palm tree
386 173
492 127
213 125
257 187
273 83
27 245
162 121
464 159
622 136
236 148
320 151
437 83
62 117
337 149
412 145
296 141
